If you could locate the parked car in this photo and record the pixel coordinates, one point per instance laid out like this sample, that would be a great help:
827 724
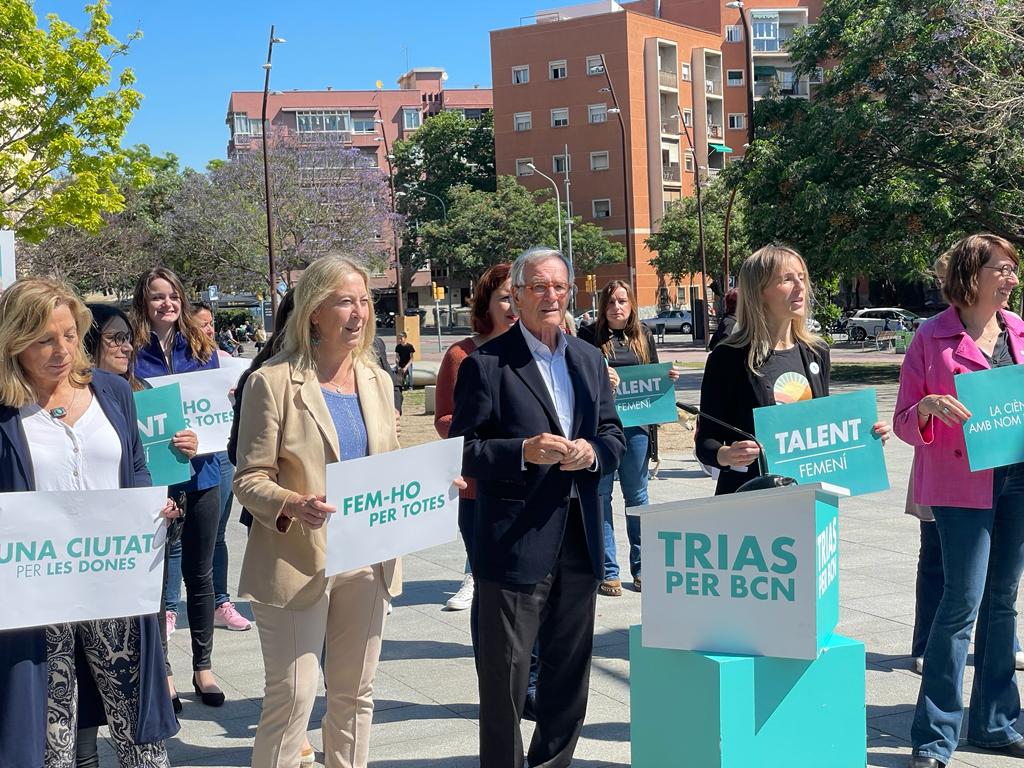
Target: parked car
674 320
585 319
868 323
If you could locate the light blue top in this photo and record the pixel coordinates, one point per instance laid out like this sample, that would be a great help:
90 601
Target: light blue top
555 372
348 423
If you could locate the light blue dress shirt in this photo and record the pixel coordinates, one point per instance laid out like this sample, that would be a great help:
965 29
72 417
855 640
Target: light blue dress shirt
555 372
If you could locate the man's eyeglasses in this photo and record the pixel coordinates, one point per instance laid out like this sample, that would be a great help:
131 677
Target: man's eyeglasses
116 339
1004 270
541 289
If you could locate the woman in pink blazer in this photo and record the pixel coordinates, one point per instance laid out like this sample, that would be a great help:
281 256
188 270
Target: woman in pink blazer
979 515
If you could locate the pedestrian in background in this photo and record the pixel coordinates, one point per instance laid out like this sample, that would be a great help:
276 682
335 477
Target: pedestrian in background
403 360
624 341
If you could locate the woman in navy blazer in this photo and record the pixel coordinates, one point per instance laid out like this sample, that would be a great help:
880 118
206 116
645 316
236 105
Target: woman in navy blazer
37 726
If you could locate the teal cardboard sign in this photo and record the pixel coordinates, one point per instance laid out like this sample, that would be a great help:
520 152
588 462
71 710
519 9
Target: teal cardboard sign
994 434
825 440
645 395
160 415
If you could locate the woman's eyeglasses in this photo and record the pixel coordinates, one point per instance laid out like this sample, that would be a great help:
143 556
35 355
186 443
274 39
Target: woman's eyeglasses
1004 270
116 339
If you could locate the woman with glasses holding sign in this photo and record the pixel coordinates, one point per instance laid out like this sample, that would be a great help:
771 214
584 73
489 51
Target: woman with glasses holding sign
624 341
168 340
66 425
770 358
979 515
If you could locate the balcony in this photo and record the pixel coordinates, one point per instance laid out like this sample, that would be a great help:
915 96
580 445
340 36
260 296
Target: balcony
715 132
668 78
670 173
670 126
710 86
772 87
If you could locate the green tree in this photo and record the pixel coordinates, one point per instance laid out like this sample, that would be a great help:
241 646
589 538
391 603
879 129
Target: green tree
677 239
913 139
486 228
62 117
447 151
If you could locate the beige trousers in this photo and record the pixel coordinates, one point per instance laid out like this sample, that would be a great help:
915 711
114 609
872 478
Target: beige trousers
350 615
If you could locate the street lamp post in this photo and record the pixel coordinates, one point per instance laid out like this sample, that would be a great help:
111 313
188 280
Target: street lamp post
700 223
558 200
272 272
748 69
444 215
617 111
399 299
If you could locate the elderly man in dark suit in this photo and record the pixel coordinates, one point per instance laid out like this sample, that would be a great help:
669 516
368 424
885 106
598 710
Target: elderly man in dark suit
538 417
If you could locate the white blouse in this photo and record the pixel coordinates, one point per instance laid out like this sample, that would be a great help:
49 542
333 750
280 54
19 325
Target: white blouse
83 457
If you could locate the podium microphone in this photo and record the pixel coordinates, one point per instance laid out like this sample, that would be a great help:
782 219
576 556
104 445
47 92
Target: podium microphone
766 480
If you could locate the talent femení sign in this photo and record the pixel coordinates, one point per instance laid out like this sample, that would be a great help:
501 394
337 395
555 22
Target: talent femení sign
160 417
392 504
994 435
645 395
80 555
827 439
747 573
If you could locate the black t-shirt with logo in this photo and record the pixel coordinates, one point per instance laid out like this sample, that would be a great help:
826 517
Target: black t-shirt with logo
783 377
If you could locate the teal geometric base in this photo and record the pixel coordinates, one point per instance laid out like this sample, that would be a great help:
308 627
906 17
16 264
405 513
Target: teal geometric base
700 710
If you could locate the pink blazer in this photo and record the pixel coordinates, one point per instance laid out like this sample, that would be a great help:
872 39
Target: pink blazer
941 349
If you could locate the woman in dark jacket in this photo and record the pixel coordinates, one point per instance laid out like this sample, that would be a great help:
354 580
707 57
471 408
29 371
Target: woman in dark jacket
624 341
168 340
46 382
770 358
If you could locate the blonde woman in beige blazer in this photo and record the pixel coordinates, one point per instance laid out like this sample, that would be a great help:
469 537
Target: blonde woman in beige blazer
321 400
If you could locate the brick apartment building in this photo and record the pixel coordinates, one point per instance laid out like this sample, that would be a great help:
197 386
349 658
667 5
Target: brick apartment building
355 119
668 61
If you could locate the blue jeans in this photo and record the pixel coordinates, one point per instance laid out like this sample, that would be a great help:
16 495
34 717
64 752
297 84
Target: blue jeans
982 561
633 479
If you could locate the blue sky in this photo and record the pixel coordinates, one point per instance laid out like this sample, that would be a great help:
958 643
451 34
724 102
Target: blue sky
193 54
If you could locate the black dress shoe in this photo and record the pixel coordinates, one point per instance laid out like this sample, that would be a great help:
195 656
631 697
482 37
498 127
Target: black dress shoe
1012 750
530 709
214 698
919 761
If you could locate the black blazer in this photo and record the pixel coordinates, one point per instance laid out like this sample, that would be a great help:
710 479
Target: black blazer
728 392
23 685
500 400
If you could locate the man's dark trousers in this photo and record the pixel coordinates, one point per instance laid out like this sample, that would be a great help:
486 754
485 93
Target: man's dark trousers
560 611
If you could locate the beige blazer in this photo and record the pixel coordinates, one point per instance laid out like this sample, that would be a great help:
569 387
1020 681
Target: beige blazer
286 438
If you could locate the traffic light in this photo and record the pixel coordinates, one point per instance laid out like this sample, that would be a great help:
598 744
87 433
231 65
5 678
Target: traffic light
590 283
438 293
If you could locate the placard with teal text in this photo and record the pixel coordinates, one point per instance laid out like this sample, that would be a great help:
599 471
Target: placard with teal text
160 416
994 434
645 395
825 440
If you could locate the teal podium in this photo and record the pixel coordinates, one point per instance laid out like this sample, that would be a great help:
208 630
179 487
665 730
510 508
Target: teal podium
735 662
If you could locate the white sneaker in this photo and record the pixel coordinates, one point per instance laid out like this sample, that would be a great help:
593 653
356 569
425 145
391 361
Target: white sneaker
462 599
1018 660
919 665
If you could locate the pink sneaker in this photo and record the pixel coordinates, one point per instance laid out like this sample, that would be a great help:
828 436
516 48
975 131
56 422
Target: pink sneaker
172 619
227 616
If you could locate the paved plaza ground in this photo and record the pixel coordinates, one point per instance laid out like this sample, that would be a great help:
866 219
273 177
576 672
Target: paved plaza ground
426 698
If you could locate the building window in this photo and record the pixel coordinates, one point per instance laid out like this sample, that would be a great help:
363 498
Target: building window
597 113
684 72
599 161
688 117
557 70
737 120
734 77
558 163
601 209
521 75
363 125
560 117
329 123
523 166
734 34
688 162
764 28
595 65
411 119
523 121
817 76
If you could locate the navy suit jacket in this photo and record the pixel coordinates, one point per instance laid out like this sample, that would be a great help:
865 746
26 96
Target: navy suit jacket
500 401
23 651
